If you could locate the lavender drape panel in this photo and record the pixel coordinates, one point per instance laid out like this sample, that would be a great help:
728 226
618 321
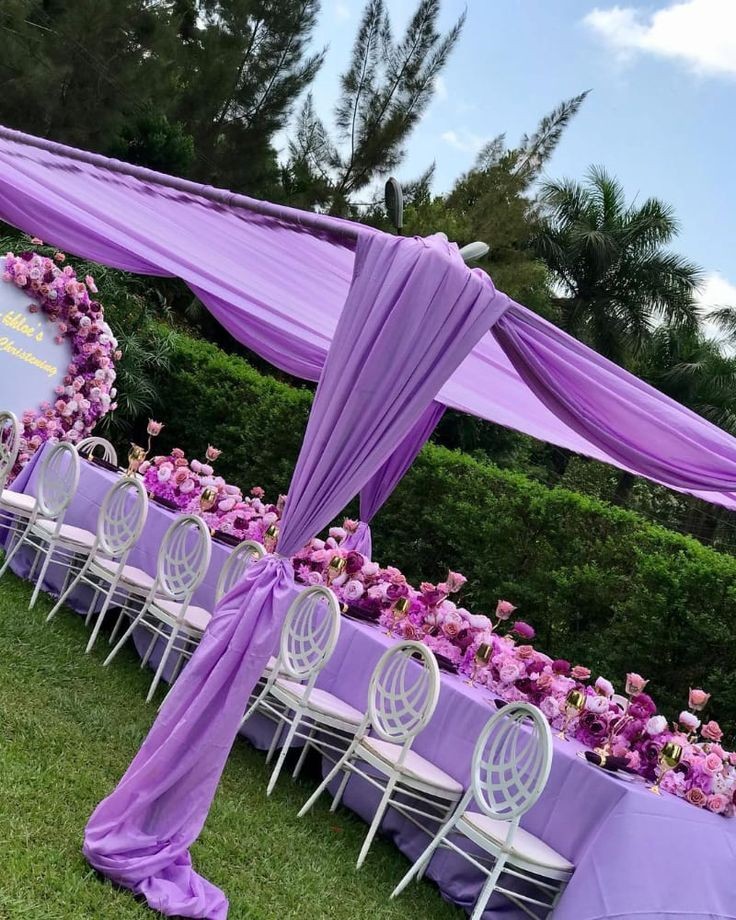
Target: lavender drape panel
277 285
642 428
413 313
378 488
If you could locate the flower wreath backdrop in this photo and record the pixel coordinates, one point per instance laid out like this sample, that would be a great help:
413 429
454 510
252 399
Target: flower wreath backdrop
87 390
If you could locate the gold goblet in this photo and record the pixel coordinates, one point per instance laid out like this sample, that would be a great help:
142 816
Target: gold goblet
669 758
400 610
574 705
481 658
335 568
208 498
136 456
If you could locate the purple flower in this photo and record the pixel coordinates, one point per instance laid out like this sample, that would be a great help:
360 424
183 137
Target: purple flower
522 629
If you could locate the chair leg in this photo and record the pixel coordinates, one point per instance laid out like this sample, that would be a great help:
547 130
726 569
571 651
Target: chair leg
101 615
149 650
420 866
42 574
124 638
117 625
67 591
16 546
162 664
305 751
377 818
488 888
337 798
92 604
338 767
275 741
284 751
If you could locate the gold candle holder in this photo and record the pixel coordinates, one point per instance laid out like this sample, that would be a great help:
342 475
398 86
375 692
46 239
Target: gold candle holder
271 532
401 608
481 658
136 456
208 498
335 568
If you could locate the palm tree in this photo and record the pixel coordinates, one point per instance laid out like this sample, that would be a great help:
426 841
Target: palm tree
615 279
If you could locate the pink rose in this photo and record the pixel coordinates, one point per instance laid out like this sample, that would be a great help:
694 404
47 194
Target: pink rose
337 533
187 486
698 699
711 731
509 671
353 590
315 578
350 525
452 623
154 428
635 683
257 492
504 609
525 652
181 475
689 721
370 569
717 803
545 681
696 797
454 582
580 673
712 764
227 504
604 687
177 453
596 704
212 453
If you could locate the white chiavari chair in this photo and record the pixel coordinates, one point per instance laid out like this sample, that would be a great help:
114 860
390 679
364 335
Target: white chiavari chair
45 531
119 525
168 613
511 765
236 565
15 507
402 697
289 696
88 447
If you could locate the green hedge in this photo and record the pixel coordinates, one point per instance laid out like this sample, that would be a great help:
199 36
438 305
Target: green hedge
601 585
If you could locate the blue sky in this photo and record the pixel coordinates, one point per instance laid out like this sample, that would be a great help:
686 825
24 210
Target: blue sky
660 115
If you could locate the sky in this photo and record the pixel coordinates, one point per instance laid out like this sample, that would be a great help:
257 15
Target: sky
660 115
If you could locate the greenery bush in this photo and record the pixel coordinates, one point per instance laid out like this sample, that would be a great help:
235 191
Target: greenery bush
602 586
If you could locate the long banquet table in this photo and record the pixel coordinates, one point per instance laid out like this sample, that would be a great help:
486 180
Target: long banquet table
637 856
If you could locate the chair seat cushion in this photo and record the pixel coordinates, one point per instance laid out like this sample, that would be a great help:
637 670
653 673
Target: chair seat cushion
525 845
67 532
195 617
131 576
320 701
414 766
18 501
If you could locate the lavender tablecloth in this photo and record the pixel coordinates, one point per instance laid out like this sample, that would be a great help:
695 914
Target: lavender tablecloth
638 857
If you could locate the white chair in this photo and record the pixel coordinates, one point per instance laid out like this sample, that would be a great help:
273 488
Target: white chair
87 447
289 696
235 566
15 507
119 525
511 765
45 531
402 697
167 611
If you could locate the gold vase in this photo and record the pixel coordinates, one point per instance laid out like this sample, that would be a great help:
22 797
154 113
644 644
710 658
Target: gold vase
136 456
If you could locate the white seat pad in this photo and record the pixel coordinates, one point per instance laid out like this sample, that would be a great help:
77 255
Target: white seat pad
67 533
525 845
130 575
415 766
195 618
321 701
18 501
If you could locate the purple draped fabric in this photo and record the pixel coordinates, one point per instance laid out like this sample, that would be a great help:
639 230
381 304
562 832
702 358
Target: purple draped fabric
378 488
641 428
277 279
413 313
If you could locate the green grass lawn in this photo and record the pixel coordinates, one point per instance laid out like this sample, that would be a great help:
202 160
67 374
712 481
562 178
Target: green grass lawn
69 728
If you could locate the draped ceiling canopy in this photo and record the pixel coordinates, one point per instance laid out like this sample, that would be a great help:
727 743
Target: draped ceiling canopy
278 278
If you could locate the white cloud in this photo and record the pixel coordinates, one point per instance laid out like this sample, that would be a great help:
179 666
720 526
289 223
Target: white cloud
342 11
440 88
464 140
698 33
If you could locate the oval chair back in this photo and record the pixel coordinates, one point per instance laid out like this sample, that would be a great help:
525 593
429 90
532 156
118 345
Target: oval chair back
309 634
511 761
122 517
183 558
9 445
236 565
403 692
88 446
58 480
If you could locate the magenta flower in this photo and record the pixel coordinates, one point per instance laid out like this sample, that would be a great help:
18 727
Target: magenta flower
523 630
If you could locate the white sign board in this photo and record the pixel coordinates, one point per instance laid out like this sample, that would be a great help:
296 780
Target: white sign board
31 362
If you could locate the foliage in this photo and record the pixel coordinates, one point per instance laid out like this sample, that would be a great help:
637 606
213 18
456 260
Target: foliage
617 280
384 92
601 585
69 743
